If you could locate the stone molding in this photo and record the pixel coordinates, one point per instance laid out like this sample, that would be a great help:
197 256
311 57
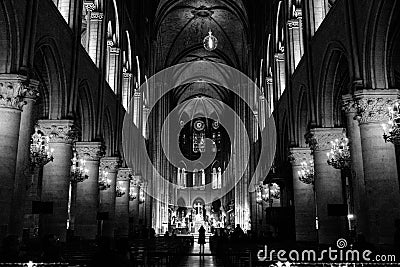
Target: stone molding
319 139
299 154
109 164
136 181
348 104
59 131
14 89
96 16
293 23
124 174
90 151
279 56
372 105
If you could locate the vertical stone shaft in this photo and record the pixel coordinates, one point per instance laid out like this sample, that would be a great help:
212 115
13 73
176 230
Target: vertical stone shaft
379 162
87 192
56 177
11 102
328 184
122 203
304 202
357 168
22 173
107 197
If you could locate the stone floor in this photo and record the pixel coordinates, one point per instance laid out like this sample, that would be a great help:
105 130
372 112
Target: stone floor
195 259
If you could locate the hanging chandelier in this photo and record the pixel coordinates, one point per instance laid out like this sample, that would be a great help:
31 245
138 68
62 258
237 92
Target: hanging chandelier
120 190
339 156
40 154
132 194
268 192
104 181
141 196
306 174
210 42
79 172
392 128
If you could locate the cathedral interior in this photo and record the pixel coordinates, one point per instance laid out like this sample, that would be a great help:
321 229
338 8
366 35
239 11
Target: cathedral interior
136 123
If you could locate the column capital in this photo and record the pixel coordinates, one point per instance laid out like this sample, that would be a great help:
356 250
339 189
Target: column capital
99 16
59 131
293 23
110 164
372 105
89 6
297 12
14 89
124 174
91 151
349 104
299 154
136 180
319 139
279 56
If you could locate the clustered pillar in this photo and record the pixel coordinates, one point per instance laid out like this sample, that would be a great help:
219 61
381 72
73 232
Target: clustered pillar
87 192
380 174
304 201
328 185
56 177
13 89
122 203
107 197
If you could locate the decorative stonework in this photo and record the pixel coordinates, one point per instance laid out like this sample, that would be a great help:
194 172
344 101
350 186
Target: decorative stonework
319 139
348 104
124 174
293 23
109 164
96 16
298 155
89 6
14 89
280 56
90 151
59 131
297 13
372 105
136 180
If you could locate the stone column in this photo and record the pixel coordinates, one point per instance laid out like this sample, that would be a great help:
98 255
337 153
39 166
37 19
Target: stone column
56 177
113 67
296 49
379 162
22 173
87 192
134 203
107 197
280 66
304 201
122 203
328 184
95 34
12 89
127 82
357 166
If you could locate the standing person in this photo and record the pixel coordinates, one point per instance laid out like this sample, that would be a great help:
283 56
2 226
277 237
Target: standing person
202 238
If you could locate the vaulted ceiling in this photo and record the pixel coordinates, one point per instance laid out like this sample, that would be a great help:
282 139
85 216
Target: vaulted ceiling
182 25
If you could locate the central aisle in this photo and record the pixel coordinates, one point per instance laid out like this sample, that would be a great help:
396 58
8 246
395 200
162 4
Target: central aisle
195 259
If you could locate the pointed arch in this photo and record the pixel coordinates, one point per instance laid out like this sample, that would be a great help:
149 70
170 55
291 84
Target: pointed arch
85 106
49 67
334 81
108 132
9 38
